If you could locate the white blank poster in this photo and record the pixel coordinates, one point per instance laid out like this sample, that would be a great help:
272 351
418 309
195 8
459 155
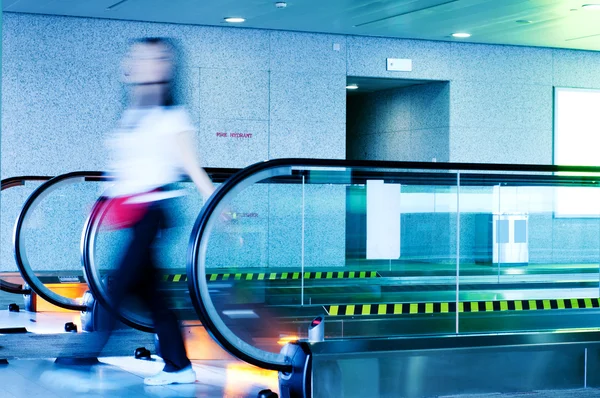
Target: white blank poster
577 142
383 220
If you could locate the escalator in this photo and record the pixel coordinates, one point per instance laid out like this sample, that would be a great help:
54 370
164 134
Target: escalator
47 235
13 182
47 240
438 317
294 257
98 256
36 234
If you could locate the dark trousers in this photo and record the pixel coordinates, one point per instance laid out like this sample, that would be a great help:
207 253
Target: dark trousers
137 276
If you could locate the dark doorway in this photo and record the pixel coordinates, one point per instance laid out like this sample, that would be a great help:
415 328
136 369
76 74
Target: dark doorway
397 119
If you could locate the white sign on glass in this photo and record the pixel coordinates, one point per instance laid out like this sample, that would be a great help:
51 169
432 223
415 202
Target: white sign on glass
383 220
577 143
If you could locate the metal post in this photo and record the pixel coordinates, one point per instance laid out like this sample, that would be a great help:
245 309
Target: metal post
585 369
302 279
498 224
457 246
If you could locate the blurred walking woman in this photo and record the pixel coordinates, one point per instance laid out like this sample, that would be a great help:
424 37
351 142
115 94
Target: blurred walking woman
151 149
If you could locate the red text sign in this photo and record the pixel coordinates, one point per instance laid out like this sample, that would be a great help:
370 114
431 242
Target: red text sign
233 135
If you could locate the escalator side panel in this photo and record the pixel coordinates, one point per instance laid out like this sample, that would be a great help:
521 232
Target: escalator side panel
438 373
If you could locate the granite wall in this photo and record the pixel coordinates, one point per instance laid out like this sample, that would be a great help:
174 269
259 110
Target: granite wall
285 90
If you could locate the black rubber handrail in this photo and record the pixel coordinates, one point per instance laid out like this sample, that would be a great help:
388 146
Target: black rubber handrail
7 183
21 258
20 181
91 275
197 279
377 164
217 174
13 288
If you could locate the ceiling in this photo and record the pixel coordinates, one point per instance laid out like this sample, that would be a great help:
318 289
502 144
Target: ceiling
553 23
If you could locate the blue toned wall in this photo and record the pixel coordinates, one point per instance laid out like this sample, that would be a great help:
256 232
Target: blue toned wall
500 96
60 91
61 94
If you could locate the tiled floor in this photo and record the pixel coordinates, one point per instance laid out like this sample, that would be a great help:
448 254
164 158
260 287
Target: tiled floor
48 329
583 393
123 377
116 376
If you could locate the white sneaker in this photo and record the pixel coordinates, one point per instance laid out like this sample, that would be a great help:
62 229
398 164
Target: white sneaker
184 376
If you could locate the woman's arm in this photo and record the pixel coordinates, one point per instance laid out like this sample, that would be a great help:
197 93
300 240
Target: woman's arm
186 148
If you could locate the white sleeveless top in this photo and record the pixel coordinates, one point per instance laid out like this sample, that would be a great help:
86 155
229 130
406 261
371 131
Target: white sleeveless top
144 155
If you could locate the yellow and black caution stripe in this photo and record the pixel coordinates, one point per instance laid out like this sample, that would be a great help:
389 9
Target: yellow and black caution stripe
466 306
272 276
175 278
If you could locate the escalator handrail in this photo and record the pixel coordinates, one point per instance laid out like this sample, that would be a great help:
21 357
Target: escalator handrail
89 230
197 283
449 166
87 250
13 288
7 183
19 181
28 275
